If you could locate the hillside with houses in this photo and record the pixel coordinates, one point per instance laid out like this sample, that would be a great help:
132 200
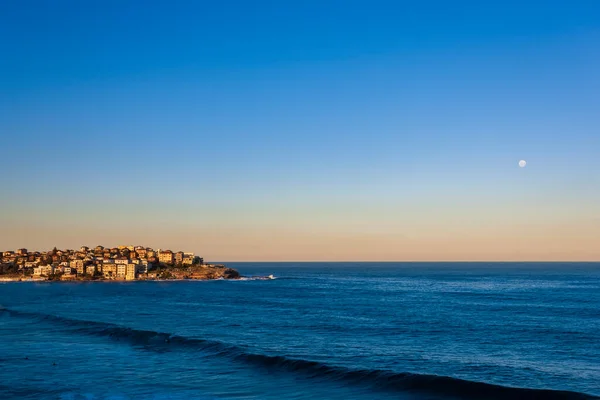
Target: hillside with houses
126 263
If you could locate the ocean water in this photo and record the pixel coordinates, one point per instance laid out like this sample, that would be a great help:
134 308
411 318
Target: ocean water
318 331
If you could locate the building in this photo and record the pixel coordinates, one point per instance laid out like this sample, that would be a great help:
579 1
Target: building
90 270
142 268
47 270
77 265
179 257
130 272
141 252
43 270
122 260
165 257
188 258
121 270
22 252
31 264
68 273
109 270
109 267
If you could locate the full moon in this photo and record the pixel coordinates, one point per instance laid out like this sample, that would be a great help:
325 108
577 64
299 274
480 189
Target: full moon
522 163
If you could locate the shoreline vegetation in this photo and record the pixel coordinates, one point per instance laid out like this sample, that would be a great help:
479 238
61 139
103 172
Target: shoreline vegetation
122 263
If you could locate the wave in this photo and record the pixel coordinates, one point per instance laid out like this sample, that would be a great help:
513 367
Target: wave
255 278
379 379
12 391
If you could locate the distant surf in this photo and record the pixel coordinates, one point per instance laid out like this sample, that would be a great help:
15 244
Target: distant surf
257 278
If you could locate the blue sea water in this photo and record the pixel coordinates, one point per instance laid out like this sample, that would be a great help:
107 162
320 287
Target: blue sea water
318 331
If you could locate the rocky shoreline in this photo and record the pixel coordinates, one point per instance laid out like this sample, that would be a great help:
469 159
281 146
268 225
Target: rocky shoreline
203 272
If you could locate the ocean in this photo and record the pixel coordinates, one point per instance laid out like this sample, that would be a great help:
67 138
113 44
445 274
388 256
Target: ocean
317 331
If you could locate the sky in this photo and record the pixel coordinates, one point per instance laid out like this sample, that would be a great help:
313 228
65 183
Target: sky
303 130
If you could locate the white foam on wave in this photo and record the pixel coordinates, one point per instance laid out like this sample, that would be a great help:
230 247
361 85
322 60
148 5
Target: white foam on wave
257 278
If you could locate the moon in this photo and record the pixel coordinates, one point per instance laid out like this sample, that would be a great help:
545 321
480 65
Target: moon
522 163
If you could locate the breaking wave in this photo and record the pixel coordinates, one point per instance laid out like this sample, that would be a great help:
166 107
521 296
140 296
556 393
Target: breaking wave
381 379
256 278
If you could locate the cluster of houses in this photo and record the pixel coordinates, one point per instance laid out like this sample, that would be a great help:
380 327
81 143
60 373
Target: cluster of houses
123 262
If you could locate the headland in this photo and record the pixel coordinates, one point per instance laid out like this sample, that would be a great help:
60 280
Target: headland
122 263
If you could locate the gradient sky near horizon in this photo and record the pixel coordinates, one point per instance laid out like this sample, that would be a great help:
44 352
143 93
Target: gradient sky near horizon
303 130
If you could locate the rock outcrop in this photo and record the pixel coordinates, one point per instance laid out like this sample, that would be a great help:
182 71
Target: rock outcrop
205 272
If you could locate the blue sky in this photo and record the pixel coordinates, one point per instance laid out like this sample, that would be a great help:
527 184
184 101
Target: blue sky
303 129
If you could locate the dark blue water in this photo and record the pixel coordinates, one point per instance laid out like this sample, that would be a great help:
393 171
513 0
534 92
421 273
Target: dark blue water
319 331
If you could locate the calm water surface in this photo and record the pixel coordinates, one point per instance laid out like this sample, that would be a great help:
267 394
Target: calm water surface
318 331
